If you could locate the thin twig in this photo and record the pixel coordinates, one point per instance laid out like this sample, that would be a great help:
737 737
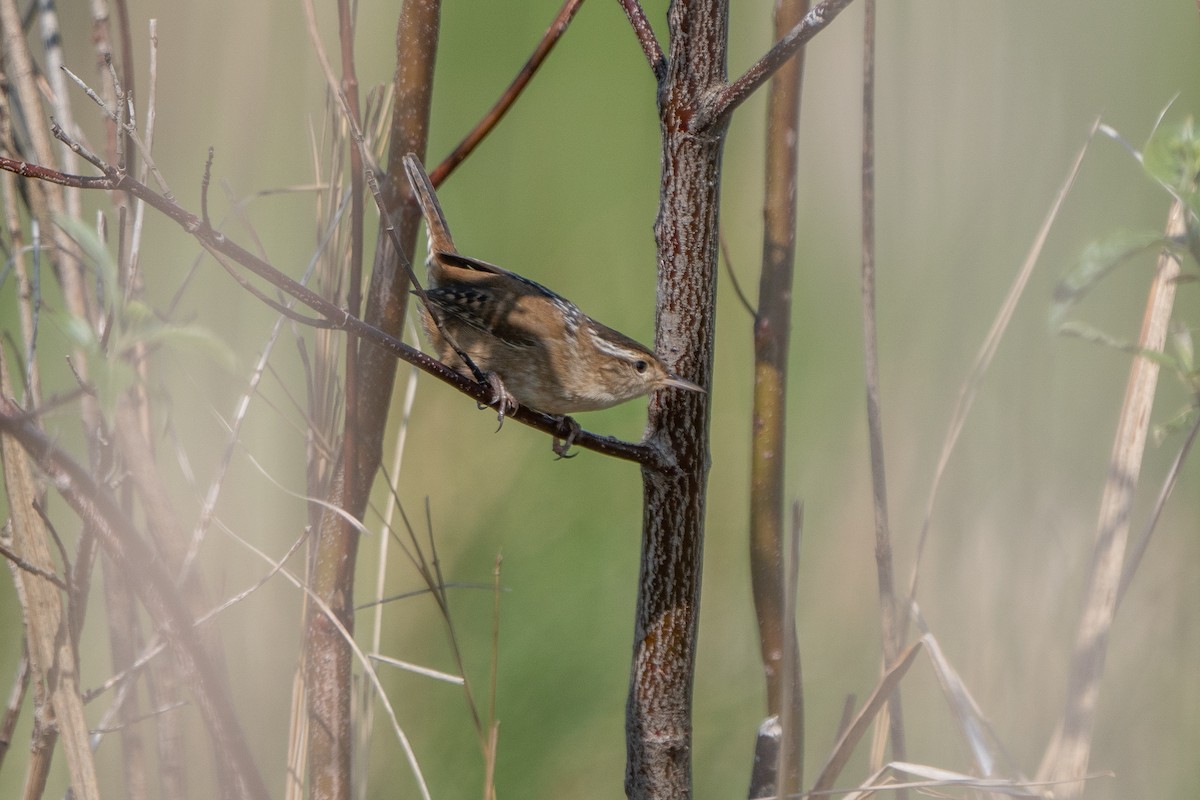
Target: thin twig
391 477
139 209
123 105
354 437
205 179
646 38
853 733
101 730
125 37
492 118
735 93
12 709
733 278
128 126
368 669
40 508
890 618
1139 547
489 781
983 359
32 569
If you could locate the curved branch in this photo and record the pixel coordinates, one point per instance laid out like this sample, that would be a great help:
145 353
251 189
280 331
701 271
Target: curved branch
215 242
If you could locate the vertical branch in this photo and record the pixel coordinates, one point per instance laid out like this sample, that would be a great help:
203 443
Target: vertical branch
60 686
51 648
27 279
658 714
140 567
354 283
45 200
328 659
132 445
122 641
772 330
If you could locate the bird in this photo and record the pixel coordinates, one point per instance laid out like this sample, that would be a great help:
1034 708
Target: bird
531 345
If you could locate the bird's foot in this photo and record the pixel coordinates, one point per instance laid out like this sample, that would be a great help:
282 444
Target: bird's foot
502 399
561 447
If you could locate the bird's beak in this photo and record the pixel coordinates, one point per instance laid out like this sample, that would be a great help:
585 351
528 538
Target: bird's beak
679 383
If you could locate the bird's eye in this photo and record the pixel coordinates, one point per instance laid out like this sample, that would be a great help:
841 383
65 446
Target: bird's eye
641 366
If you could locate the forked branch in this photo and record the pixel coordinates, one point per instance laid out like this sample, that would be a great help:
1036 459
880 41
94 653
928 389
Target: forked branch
735 93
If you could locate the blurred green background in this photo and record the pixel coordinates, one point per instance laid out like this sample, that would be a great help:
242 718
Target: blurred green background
982 108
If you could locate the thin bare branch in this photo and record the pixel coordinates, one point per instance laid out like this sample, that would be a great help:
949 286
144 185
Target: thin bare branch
718 109
12 708
975 732
646 38
122 117
32 569
1139 547
844 747
733 278
492 118
489 780
983 359
890 617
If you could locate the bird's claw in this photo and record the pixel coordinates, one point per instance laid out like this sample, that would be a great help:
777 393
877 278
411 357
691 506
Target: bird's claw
501 398
561 447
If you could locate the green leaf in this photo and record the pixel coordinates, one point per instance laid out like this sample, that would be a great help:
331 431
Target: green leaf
194 338
1172 157
1088 333
1097 262
78 331
96 254
1181 338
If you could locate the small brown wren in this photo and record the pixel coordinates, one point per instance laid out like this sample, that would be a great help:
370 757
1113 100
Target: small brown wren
535 347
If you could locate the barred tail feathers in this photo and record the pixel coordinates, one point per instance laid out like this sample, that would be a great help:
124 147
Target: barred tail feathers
438 230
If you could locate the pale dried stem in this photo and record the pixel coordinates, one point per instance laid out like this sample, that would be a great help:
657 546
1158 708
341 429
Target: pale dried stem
1066 757
52 650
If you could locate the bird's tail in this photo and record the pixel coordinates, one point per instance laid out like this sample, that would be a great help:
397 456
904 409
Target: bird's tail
435 221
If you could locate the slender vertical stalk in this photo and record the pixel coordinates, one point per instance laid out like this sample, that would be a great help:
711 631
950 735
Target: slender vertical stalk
1067 755
772 330
889 614
51 649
